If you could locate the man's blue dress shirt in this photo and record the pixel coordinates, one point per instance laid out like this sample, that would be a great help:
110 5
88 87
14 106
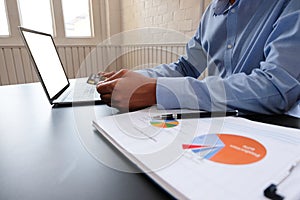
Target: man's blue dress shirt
252 52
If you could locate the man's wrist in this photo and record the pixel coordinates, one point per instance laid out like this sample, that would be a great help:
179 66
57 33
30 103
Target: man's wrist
151 88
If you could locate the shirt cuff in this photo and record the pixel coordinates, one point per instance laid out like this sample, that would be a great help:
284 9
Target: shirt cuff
166 96
176 92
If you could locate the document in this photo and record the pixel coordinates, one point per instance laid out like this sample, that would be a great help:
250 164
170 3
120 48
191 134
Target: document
205 158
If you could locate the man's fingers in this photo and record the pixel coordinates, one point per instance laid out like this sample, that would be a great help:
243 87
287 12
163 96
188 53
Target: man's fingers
106 87
117 75
106 74
106 98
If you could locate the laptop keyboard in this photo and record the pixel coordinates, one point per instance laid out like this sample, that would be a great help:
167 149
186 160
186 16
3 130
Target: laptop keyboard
83 92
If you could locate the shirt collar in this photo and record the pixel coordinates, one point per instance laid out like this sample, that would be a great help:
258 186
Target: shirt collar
222 6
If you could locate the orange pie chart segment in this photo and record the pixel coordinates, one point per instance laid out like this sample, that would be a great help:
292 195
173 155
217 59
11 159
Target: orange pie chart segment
239 150
228 149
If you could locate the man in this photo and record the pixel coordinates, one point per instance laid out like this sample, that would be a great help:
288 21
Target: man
251 50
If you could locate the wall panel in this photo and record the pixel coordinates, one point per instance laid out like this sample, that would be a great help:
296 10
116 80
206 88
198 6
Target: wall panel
81 61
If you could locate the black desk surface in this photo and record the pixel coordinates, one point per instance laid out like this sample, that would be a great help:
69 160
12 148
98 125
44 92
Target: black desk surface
44 154
51 153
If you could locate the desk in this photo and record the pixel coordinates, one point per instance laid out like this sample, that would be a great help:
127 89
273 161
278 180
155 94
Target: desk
43 157
45 153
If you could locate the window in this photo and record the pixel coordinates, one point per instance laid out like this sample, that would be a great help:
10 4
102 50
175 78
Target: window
4 30
77 18
71 22
36 14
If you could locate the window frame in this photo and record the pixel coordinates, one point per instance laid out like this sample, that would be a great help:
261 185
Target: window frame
7 21
98 25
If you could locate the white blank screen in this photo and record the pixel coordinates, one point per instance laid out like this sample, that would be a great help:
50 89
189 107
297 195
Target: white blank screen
47 61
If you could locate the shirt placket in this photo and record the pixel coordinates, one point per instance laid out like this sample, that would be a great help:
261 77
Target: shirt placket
231 28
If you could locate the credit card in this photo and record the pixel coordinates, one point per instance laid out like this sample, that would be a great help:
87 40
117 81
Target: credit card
95 78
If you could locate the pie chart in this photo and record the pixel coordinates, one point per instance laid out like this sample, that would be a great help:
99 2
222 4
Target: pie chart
164 123
227 149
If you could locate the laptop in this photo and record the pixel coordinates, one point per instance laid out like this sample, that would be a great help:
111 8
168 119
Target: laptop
48 66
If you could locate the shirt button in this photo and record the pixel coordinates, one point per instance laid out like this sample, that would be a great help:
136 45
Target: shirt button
232 10
229 46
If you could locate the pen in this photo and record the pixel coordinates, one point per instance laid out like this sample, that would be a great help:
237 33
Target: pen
191 115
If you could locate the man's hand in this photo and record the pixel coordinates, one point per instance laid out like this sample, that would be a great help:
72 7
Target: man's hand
128 90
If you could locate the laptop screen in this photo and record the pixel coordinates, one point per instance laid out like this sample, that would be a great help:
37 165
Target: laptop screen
47 61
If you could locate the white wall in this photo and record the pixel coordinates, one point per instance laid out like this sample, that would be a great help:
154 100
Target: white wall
180 17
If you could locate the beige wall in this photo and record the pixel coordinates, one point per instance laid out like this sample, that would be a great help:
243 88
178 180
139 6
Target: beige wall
177 15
